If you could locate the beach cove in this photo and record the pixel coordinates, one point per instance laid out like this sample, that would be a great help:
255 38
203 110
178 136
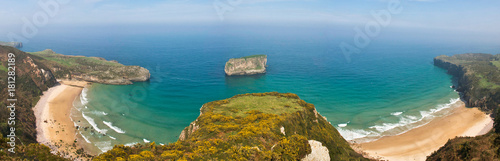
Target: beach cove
418 143
55 128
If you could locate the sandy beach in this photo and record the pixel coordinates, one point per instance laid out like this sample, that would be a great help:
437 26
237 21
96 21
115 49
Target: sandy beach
420 142
54 125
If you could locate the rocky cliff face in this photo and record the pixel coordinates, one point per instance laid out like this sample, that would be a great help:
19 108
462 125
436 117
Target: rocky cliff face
91 69
249 65
478 78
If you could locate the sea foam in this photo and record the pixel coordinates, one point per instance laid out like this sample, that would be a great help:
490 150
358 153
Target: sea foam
405 123
83 97
116 129
85 138
344 124
104 146
130 144
396 113
92 122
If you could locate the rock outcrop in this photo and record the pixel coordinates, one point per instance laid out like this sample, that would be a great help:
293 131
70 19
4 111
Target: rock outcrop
478 78
318 152
249 65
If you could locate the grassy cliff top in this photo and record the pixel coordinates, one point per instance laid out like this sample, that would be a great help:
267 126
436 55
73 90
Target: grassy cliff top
485 68
251 56
239 106
92 69
255 56
257 126
72 61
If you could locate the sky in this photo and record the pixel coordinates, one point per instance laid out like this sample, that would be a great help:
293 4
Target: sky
479 18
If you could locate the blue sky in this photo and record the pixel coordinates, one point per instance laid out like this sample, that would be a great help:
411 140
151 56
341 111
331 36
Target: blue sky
479 16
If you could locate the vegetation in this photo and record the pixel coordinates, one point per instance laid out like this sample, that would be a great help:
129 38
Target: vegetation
92 69
33 76
247 127
484 147
2 67
30 83
479 79
33 151
254 56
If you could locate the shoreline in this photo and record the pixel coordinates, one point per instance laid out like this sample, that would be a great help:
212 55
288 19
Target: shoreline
418 143
54 126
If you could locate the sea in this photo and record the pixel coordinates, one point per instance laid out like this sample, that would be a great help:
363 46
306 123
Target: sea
388 88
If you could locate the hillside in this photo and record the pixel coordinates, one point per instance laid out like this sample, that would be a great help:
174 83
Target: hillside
259 126
35 74
478 78
32 78
249 65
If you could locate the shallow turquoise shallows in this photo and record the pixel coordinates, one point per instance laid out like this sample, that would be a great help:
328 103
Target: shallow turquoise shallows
387 89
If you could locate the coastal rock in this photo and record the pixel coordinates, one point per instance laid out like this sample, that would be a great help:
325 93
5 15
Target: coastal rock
318 152
249 65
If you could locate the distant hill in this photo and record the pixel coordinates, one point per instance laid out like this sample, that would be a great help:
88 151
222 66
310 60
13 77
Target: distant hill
12 44
259 126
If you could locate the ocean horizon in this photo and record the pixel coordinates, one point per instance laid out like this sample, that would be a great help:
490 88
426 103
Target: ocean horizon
390 88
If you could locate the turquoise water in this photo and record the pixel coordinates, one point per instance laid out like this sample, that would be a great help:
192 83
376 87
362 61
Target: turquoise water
389 88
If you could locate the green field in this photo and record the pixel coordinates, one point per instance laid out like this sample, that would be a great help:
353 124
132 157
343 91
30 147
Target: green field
3 68
70 61
267 104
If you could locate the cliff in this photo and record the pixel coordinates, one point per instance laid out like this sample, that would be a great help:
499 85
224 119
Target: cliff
35 73
249 65
478 78
32 77
12 44
259 126
91 69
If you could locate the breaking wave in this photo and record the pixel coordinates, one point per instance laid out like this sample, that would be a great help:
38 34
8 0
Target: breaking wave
94 125
116 129
406 122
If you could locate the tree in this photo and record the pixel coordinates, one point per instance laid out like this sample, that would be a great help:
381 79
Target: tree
497 121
